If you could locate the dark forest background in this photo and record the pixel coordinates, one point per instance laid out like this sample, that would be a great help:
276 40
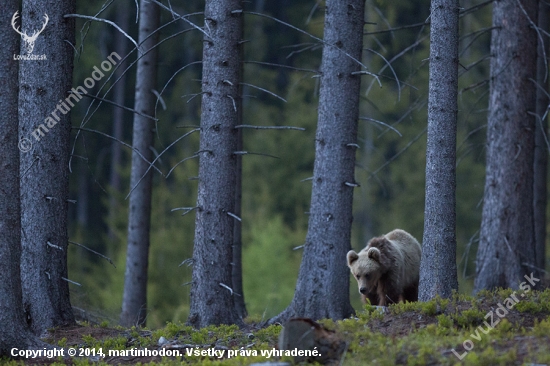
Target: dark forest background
276 190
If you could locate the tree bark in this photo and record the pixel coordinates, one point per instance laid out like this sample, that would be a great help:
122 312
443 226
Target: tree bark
212 298
438 274
44 87
237 268
322 289
507 243
541 146
134 301
14 332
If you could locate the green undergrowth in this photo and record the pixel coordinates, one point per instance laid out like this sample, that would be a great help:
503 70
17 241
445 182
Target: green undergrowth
488 329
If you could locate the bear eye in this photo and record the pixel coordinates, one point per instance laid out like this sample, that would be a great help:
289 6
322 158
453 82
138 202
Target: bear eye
357 276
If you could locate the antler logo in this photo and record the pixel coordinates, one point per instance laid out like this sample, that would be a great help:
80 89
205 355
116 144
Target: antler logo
29 40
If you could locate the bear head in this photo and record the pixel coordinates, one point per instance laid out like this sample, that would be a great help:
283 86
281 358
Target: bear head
366 268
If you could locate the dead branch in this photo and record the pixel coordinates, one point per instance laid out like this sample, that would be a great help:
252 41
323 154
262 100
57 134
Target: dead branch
264 90
121 106
234 216
398 153
271 127
282 66
158 157
252 153
121 142
196 155
382 123
183 17
186 209
104 21
93 251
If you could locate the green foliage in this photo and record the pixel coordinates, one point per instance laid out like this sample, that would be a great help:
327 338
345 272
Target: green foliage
429 308
542 329
468 318
270 247
62 342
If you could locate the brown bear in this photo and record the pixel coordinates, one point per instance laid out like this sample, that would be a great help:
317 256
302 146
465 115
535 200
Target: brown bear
387 269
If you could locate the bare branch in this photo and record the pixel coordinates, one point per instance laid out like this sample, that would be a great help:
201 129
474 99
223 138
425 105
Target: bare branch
475 35
382 123
399 153
282 66
104 21
251 153
475 7
119 141
183 17
172 77
159 99
392 70
234 216
187 209
264 90
93 251
196 155
54 246
88 116
73 282
311 36
234 104
188 261
121 106
271 127
158 157
227 287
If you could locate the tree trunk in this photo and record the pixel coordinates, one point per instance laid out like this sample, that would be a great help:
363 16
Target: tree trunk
43 95
14 332
119 92
322 290
507 243
541 146
212 298
237 270
438 274
134 301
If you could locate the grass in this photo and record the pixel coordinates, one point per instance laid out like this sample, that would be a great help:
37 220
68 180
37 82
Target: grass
487 329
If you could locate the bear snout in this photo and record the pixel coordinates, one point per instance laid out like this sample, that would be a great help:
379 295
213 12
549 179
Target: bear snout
364 290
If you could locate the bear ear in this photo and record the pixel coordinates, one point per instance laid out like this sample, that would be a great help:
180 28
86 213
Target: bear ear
374 254
352 257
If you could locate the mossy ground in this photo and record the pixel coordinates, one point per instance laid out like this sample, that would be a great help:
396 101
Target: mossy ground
431 333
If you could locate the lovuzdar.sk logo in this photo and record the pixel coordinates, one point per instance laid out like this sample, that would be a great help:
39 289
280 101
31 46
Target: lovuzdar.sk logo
28 41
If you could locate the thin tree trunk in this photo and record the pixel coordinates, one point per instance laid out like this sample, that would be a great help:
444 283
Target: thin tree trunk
14 332
134 301
237 270
541 146
322 290
43 93
438 274
119 91
212 298
507 243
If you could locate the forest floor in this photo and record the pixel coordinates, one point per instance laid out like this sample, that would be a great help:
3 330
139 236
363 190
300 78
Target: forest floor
491 328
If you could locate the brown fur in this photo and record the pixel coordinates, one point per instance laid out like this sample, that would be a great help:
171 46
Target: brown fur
387 269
